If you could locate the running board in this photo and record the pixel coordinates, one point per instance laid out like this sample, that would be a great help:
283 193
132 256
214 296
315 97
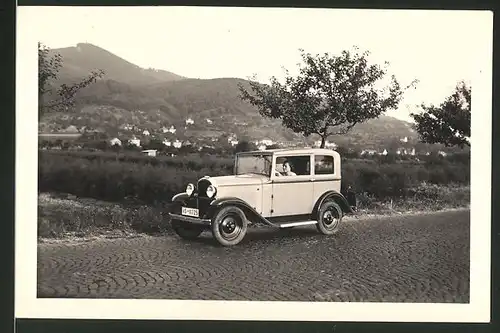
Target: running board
296 224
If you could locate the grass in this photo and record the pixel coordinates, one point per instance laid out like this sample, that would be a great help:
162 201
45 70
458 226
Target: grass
68 216
59 216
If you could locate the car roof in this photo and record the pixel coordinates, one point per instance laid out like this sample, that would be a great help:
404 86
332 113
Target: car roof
292 151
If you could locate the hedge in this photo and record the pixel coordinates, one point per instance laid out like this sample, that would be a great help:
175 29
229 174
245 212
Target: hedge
151 180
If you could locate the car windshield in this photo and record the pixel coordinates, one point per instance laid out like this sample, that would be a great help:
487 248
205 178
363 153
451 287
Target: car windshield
259 164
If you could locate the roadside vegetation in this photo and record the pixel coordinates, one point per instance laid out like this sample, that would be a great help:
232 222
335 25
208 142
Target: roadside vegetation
110 191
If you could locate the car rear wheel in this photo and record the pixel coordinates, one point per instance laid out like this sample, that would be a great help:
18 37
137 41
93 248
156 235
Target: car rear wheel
229 226
186 231
329 218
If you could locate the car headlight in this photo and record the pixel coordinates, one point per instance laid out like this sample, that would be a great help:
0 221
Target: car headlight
190 189
210 191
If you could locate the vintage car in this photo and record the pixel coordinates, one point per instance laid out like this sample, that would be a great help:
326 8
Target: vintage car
280 188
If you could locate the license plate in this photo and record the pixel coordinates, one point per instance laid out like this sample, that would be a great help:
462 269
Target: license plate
190 212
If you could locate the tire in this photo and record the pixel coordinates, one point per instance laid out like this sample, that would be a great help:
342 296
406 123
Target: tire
186 231
229 226
329 218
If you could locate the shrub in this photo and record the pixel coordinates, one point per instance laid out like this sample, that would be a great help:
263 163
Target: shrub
153 180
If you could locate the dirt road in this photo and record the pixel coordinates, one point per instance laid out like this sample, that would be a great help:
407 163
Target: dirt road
421 258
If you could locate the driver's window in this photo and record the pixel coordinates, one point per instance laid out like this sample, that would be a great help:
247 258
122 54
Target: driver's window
293 165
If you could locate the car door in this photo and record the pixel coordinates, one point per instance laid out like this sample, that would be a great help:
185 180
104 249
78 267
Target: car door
292 194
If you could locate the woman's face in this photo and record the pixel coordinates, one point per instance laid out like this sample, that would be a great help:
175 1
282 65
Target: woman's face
286 167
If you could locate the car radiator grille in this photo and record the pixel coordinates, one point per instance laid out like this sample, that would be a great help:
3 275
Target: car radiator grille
203 184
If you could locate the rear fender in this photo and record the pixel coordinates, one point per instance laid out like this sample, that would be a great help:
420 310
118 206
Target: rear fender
337 197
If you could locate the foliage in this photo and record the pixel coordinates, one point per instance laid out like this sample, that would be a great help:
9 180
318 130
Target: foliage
330 95
132 177
424 197
245 145
48 69
450 123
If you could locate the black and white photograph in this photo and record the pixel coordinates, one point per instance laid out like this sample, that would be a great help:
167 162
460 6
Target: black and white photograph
253 163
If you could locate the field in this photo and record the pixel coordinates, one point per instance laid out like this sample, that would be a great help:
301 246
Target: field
128 191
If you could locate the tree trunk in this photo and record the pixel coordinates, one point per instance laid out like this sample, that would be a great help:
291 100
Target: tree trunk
323 141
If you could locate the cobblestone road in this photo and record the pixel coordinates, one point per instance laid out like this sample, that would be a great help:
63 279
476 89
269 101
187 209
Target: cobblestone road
422 258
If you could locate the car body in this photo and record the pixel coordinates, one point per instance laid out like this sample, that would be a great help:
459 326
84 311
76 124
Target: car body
259 192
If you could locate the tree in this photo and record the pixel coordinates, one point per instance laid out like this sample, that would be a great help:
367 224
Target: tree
329 96
449 123
51 98
273 146
244 145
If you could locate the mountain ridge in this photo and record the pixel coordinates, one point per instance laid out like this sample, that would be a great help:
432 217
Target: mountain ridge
79 60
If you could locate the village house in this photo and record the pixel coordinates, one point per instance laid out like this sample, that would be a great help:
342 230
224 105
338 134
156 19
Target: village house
384 153
369 152
328 145
266 142
189 121
167 143
209 121
115 141
71 129
134 141
442 153
146 132
172 129
177 144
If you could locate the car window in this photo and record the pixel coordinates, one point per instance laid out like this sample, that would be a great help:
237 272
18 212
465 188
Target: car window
323 165
299 165
254 164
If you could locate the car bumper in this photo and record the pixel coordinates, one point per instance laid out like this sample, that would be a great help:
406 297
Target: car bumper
189 219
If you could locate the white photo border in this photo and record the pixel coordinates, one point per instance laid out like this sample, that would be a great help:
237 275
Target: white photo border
27 305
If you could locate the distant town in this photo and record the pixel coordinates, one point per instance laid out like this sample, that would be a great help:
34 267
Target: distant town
142 139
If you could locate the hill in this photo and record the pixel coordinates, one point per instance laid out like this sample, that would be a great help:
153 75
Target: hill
131 99
79 60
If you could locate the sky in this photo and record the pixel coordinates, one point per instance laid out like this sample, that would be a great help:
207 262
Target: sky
439 48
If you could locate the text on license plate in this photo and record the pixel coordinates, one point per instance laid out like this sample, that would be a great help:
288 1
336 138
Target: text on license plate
190 212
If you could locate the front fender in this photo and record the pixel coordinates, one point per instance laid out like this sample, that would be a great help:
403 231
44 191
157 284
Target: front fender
337 197
250 213
180 197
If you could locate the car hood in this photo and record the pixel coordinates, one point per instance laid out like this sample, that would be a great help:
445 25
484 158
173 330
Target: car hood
247 179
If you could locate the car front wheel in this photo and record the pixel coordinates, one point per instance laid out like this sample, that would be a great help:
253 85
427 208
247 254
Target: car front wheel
329 218
186 231
229 226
